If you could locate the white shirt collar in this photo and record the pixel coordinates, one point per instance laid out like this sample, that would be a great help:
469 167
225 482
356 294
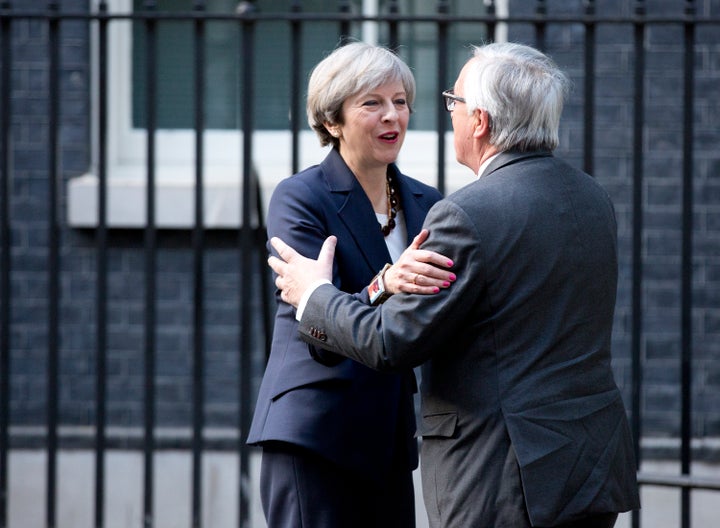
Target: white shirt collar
486 163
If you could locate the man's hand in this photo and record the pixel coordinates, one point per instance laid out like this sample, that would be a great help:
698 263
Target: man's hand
296 273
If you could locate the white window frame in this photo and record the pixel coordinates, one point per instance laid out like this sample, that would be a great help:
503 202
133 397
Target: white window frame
175 156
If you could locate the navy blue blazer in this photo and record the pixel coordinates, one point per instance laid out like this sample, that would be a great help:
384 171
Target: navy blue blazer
354 416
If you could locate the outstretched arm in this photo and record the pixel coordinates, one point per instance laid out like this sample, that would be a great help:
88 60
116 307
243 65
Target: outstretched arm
404 331
416 271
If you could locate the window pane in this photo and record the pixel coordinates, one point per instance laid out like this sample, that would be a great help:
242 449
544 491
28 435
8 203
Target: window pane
175 68
419 47
272 52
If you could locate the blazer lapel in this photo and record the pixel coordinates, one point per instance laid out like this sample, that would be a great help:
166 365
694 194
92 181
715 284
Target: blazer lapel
354 209
412 210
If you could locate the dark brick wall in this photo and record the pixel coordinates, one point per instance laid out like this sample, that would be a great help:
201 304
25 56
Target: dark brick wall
662 191
612 165
29 309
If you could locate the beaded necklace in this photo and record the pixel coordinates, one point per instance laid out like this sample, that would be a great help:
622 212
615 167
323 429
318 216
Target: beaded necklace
392 205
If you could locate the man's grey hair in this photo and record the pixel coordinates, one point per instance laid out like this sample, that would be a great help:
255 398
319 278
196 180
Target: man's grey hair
522 90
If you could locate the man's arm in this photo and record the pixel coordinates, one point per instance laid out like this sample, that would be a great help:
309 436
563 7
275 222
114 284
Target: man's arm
407 329
416 271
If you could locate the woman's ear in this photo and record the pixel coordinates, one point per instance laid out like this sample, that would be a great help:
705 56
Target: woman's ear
333 129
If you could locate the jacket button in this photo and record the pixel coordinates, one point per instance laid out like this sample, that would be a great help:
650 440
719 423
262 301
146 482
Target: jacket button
317 333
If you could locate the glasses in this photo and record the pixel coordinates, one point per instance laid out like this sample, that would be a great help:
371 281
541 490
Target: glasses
450 99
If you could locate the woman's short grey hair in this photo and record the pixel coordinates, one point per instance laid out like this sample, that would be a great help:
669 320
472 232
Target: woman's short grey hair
351 69
522 90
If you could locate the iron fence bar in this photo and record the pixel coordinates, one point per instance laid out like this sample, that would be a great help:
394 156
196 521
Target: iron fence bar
198 243
442 9
589 89
685 482
344 8
295 89
393 30
5 261
150 245
637 237
687 254
53 268
540 25
345 15
101 245
492 23
246 245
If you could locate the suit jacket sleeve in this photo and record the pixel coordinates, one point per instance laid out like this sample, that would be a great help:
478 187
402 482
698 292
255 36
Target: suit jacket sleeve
407 329
299 217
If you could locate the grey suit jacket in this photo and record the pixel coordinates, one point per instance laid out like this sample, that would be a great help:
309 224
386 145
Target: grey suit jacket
515 354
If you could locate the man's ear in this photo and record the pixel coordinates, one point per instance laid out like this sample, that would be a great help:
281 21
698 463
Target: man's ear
481 123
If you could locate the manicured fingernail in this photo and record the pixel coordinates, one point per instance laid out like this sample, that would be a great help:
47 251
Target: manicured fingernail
436 289
450 263
446 284
452 277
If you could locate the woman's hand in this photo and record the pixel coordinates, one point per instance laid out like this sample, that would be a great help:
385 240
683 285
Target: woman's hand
419 270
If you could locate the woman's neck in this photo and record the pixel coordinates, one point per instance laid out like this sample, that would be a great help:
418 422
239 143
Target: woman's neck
373 180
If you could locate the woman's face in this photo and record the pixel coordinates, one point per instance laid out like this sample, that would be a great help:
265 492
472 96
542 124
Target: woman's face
374 126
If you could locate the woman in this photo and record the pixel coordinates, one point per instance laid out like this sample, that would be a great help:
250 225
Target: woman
338 438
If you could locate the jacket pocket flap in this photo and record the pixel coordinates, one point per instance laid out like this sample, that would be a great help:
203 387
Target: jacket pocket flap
441 425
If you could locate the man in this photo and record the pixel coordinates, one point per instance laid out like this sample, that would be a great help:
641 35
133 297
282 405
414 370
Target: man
523 424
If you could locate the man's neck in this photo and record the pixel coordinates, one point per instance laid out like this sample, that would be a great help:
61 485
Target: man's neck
484 164
487 155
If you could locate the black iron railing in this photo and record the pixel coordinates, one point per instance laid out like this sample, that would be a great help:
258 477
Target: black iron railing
51 21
